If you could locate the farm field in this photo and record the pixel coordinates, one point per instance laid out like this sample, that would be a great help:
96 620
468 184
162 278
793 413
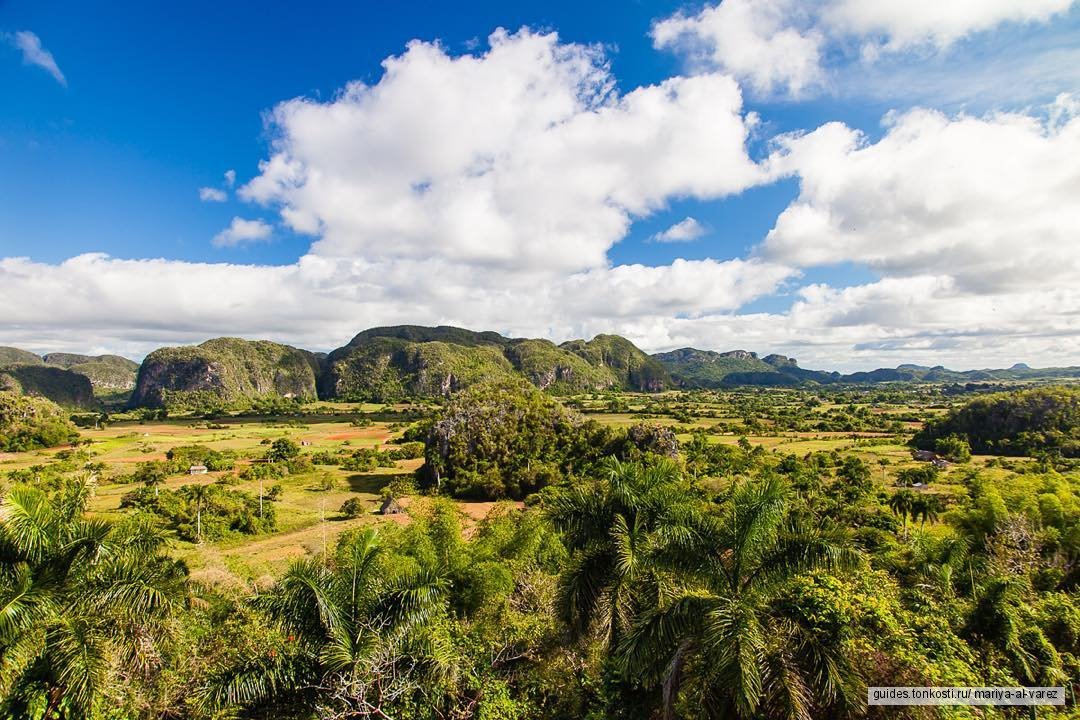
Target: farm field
308 517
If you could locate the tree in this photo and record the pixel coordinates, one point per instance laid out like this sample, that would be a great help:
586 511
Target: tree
724 631
282 449
901 503
925 507
81 601
357 630
607 527
854 475
199 494
953 447
152 474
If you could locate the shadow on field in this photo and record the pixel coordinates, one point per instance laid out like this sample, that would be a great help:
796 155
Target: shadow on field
372 482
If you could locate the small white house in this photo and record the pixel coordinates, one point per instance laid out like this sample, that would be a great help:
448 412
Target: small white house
197 470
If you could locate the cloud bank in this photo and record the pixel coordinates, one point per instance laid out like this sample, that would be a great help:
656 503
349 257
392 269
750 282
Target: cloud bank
487 190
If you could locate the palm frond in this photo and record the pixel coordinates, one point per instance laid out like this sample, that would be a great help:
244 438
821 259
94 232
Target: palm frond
29 521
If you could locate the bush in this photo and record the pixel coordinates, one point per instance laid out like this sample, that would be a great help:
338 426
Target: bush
954 448
353 508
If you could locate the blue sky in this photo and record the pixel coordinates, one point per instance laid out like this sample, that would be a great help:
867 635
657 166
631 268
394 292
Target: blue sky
150 102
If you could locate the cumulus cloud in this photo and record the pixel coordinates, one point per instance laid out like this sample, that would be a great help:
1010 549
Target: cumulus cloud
33 53
780 46
230 178
754 40
210 194
990 202
320 302
686 230
897 26
522 158
243 232
487 190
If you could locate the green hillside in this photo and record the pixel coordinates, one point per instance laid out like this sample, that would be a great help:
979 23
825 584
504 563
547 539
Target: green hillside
556 369
391 368
107 373
227 369
1017 423
15 356
63 387
412 361
690 367
633 369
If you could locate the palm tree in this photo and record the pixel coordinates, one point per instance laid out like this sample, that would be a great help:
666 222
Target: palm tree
200 494
79 600
902 503
359 630
925 507
154 480
607 527
724 631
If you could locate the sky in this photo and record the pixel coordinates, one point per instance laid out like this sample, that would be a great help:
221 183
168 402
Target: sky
854 183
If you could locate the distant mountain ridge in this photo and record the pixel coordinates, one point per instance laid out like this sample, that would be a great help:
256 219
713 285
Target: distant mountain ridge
413 361
693 368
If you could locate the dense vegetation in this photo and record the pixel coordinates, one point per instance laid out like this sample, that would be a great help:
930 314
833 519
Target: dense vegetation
409 361
1042 420
105 372
27 423
228 369
64 387
68 379
661 563
509 440
778 589
388 364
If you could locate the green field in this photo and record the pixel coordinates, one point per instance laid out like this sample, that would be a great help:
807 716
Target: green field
308 520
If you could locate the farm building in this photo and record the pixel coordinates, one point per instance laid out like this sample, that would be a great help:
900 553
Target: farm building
197 470
390 506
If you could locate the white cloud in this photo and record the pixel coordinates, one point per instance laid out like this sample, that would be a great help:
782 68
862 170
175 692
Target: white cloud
787 47
321 302
209 194
34 54
686 230
487 191
230 178
990 202
897 26
242 232
523 158
755 40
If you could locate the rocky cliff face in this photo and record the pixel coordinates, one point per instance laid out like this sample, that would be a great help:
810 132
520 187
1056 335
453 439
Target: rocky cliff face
226 368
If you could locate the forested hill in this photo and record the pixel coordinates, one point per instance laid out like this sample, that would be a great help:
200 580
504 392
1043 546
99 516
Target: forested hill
68 379
412 361
692 368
